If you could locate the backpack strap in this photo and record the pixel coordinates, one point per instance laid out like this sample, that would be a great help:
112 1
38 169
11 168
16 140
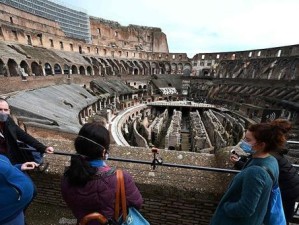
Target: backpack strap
270 173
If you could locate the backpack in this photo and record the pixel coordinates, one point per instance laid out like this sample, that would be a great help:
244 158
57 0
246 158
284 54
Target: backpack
275 213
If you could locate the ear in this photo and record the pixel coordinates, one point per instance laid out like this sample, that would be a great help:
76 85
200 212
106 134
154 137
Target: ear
262 145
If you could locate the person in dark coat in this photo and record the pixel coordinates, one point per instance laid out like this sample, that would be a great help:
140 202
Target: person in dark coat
11 133
288 175
89 184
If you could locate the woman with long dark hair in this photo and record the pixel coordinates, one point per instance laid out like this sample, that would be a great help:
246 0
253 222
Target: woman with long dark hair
89 184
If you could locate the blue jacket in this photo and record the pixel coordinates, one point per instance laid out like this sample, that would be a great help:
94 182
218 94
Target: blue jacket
16 190
246 200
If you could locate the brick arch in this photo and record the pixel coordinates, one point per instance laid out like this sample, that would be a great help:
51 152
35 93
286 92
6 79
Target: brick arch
57 69
82 70
74 69
13 68
36 69
25 66
48 69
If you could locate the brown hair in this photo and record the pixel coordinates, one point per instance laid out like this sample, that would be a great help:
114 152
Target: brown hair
273 134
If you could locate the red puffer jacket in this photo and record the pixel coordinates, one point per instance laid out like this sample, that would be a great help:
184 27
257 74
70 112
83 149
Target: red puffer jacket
98 195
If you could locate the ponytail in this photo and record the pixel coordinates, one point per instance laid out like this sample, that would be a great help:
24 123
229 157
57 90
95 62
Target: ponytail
80 171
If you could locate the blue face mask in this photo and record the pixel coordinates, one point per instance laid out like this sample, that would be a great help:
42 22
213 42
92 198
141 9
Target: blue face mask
246 147
3 117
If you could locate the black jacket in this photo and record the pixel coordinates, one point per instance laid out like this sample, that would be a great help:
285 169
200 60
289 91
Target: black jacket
288 178
12 133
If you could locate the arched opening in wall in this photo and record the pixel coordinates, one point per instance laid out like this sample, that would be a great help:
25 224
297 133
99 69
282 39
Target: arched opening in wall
74 69
66 69
144 86
57 69
167 68
173 68
187 70
48 69
162 68
3 71
82 70
206 72
135 71
154 68
96 70
171 148
140 87
180 68
25 67
13 68
89 70
36 69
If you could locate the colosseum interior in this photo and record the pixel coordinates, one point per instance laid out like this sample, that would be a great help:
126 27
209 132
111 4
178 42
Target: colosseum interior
195 110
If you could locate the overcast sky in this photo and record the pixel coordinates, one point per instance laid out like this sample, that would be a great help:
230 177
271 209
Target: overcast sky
197 26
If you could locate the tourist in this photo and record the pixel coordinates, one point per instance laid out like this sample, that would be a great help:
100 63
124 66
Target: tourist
11 134
246 200
89 184
288 176
16 191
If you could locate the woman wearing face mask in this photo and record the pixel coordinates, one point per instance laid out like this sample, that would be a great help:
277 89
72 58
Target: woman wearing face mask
246 200
288 177
89 184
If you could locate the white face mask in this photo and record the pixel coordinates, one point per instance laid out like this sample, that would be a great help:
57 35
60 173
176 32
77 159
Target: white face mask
3 117
106 156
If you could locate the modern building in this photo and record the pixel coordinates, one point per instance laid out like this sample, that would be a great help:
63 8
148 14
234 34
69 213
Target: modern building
75 23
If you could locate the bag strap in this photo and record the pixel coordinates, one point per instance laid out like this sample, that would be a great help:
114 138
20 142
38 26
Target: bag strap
270 173
120 198
93 216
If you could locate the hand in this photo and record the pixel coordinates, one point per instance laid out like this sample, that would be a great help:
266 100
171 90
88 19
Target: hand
234 158
29 165
49 150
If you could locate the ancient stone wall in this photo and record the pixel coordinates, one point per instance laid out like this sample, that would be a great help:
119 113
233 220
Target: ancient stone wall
139 38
